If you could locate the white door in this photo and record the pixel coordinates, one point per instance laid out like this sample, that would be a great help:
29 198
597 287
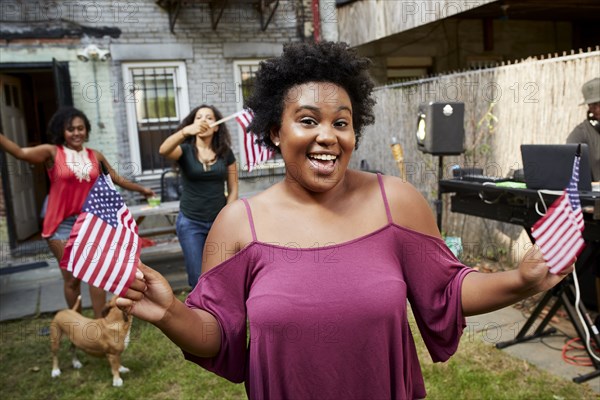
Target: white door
20 177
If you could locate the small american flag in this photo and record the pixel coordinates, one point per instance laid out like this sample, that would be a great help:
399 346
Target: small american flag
103 248
574 194
558 233
255 153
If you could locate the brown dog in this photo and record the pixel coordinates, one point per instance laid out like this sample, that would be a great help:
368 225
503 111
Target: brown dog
107 336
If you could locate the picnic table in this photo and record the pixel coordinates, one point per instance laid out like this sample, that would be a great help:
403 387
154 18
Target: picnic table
168 209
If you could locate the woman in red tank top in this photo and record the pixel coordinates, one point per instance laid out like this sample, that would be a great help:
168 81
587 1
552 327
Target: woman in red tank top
72 169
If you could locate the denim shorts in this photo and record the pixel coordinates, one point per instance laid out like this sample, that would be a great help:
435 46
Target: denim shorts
64 229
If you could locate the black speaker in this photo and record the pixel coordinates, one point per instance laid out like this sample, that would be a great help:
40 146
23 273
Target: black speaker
440 128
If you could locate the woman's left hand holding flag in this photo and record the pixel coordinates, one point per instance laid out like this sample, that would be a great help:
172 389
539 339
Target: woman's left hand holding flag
149 296
535 273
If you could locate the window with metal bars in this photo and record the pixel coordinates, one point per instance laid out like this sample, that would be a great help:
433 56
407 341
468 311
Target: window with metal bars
247 76
156 103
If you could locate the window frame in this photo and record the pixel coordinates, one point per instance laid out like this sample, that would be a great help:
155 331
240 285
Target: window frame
182 105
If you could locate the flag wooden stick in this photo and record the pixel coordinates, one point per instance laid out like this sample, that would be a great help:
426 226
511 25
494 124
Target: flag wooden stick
219 122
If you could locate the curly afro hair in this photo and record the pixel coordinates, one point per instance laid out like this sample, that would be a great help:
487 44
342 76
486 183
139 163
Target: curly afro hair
304 62
62 120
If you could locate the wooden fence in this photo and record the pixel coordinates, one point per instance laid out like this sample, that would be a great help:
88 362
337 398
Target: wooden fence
536 100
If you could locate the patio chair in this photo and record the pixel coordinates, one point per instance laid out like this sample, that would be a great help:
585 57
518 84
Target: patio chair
170 185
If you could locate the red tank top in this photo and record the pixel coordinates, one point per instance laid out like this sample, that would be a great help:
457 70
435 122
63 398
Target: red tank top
67 193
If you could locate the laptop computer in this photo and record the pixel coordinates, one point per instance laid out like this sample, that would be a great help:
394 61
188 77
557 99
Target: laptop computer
549 166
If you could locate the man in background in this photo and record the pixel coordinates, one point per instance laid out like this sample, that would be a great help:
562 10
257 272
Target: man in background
589 132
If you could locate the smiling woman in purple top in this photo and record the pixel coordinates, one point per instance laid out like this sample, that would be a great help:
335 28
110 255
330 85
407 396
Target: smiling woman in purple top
321 265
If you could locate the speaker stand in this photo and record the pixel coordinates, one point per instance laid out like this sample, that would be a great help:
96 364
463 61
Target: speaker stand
439 203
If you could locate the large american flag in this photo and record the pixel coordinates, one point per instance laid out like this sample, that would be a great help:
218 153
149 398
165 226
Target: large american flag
103 248
558 233
255 153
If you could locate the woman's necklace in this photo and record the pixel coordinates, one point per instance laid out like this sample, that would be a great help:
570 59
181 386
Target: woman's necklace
206 156
78 162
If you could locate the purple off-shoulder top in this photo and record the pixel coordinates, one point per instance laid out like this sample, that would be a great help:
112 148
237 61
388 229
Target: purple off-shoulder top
331 322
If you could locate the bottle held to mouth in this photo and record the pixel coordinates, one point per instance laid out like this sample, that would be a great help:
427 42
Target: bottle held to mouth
398 154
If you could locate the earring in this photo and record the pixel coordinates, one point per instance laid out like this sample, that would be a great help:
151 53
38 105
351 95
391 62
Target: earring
276 144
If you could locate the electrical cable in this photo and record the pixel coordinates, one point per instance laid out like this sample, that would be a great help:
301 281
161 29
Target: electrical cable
553 336
540 192
583 321
482 196
581 360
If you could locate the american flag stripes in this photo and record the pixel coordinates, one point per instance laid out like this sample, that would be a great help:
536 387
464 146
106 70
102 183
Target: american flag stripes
558 233
103 248
574 195
255 153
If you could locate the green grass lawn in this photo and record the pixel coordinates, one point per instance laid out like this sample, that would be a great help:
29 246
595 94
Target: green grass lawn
158 371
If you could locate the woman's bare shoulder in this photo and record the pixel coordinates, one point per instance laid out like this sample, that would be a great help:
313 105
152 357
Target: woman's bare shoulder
409 207
229 234
99 156
233 222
